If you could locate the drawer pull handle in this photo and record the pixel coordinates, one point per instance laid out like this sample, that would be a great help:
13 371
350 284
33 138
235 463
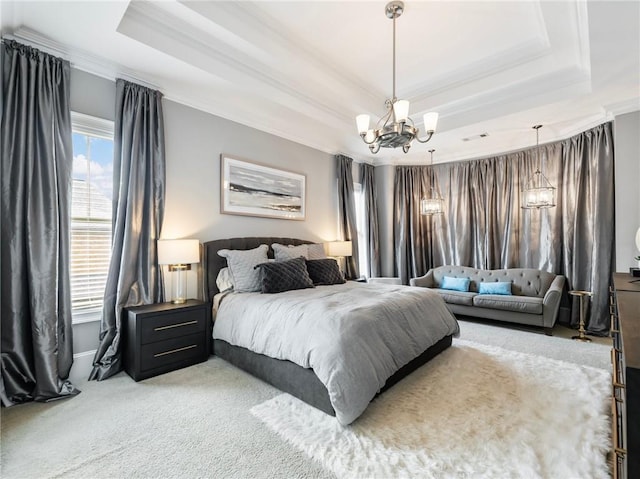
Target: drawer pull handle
620 452
619 385
175 351
177 325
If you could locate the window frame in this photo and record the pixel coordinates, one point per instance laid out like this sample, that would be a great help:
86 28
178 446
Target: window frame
100 128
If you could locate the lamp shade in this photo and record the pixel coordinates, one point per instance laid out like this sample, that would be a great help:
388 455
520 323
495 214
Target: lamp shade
638 239
183 251
339 248
401 110
363 123
430 121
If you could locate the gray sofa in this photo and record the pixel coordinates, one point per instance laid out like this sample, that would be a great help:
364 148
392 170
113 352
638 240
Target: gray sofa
534 301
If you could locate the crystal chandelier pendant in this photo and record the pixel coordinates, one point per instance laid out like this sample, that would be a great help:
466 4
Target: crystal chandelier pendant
434 204
538 192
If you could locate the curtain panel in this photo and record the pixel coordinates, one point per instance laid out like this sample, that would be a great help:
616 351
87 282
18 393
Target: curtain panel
484 226
367 180
134 276
347 212
37 157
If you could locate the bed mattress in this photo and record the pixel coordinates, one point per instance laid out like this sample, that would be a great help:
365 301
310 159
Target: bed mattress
354 336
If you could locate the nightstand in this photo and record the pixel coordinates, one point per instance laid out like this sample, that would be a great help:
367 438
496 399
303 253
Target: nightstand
159 338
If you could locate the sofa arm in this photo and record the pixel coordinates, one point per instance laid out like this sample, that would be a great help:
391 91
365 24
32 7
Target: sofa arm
551 302
425 281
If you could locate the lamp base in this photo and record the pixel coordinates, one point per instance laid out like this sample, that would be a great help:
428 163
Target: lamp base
178 301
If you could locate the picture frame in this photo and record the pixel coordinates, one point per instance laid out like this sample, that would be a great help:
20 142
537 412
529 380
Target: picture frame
254 189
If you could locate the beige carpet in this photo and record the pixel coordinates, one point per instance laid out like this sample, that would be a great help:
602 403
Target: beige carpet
191 423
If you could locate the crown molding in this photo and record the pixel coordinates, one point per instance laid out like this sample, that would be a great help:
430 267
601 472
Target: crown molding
80 59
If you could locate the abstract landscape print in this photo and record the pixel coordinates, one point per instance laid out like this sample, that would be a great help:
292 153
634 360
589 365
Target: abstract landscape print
257 190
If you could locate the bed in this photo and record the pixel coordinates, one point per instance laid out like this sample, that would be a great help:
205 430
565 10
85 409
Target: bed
335 389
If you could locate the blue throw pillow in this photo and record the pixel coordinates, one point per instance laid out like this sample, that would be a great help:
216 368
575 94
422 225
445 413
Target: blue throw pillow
498 287
456 284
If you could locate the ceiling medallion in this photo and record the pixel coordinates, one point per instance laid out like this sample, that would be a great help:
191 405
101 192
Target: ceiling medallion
395 128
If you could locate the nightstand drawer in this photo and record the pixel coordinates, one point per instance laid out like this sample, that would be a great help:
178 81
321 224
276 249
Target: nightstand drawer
185 348
174 324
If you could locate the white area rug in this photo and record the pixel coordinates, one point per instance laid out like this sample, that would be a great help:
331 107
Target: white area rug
473 411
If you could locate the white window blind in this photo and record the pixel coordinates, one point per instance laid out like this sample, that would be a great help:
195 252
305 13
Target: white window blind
91 214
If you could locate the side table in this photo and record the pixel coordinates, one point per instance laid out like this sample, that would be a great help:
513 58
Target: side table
159 338
583 298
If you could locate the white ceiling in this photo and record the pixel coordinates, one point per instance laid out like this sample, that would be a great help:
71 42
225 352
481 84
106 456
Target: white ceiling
304 69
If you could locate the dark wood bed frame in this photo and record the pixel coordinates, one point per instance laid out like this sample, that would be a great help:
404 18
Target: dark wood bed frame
284 375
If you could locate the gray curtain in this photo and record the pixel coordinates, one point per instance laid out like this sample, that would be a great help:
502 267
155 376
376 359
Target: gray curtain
138 202
347 212
485 227
37 157
367 180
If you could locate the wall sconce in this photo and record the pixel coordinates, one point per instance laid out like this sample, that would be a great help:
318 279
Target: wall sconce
179 255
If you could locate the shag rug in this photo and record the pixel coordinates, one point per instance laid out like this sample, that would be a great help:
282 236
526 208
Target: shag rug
473 411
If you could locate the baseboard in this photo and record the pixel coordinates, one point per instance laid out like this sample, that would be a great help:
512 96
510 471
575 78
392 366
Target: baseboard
82 366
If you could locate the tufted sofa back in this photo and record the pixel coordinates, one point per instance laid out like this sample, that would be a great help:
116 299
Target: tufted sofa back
525 281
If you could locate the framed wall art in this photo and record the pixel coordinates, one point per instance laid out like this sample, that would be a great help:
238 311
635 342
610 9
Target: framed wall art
253 189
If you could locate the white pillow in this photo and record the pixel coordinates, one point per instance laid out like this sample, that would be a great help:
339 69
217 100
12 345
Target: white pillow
316 251
224 282
241 265
285 253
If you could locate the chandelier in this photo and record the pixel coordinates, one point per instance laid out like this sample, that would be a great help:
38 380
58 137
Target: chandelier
538 192
395 128
434 204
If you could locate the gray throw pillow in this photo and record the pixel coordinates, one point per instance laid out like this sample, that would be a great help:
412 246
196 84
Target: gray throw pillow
284 276
325 272
316 251
283 253
242 263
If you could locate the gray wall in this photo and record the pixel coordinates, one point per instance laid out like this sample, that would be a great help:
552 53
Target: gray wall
194 141
627 179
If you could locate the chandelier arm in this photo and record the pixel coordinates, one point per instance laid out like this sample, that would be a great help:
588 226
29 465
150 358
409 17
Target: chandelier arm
364 138
429 135
375 148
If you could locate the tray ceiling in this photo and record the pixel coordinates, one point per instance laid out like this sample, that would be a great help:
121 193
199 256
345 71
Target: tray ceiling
303 70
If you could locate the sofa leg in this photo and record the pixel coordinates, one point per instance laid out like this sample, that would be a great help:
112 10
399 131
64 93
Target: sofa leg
548 331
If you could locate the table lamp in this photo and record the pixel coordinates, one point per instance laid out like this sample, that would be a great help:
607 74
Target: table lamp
179 255
339 249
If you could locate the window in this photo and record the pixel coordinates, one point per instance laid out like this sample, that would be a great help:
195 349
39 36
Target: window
361 222
91 214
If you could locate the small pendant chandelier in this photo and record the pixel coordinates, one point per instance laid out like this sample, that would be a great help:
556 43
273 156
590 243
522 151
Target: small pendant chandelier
434 204
395 128
538 192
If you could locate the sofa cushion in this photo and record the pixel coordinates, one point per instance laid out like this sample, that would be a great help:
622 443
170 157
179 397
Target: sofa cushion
456 297
520 304
495 287
455 284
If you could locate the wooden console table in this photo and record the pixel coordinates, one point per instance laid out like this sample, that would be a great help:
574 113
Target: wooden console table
625 355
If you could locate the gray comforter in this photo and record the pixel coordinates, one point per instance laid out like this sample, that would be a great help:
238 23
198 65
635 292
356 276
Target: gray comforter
353 335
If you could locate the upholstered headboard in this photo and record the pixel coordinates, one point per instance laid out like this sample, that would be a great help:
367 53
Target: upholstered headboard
214 263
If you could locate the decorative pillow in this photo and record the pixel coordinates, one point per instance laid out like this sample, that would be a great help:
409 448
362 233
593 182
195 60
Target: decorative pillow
455 284
325 271
224 281
498 287
284 276
284 253
316 251
241 265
